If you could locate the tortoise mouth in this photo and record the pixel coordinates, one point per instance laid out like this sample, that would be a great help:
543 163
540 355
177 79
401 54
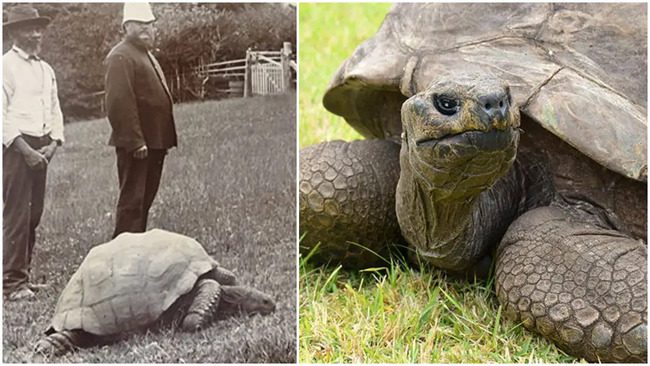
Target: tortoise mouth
491 140
466 163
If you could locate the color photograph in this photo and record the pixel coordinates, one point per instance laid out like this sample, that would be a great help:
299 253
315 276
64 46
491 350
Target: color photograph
472 183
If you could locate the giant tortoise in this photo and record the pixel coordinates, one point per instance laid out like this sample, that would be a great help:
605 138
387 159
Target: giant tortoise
141 280
505 135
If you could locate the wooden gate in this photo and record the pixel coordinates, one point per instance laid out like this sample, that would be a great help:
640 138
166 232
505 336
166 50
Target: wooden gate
268 72
263 73
266 76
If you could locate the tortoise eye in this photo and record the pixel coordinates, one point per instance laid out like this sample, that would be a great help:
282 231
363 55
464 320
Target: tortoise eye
446 105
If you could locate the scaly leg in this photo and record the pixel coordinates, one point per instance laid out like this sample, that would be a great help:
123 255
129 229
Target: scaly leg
203 306
60 343
224 276
347 201
579 285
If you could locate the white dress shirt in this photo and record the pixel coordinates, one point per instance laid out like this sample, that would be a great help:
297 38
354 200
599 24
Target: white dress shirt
30 104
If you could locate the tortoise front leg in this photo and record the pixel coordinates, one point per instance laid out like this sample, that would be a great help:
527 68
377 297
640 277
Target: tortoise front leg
224 276
347 201
581 286
203 305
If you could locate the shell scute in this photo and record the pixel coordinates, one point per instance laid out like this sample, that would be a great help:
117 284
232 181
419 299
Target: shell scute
571 67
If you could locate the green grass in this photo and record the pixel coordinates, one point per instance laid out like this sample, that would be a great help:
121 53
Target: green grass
229 184
396 314
393 314
327 38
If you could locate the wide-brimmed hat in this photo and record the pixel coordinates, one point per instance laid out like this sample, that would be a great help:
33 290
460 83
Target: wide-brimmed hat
24 14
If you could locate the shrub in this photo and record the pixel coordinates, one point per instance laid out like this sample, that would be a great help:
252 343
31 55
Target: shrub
81 35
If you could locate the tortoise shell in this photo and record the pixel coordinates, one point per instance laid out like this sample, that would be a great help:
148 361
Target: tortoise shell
578 70
127 283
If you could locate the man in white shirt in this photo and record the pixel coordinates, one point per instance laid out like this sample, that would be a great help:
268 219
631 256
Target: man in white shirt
32 129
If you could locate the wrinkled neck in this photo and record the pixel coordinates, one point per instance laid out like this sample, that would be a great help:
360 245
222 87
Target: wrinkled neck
451 221
455 231
438 227
230 302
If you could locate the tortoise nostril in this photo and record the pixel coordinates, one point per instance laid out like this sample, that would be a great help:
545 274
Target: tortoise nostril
494 105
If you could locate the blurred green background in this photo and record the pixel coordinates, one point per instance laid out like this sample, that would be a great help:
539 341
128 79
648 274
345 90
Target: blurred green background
329 34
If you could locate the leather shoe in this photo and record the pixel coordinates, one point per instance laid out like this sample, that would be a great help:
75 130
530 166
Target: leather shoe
20 294
36 287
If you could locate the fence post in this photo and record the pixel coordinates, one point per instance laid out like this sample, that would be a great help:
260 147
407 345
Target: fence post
203 81
286 70
177 87
247 75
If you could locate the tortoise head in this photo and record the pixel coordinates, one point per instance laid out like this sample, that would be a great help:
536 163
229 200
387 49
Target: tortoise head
245 300
461 129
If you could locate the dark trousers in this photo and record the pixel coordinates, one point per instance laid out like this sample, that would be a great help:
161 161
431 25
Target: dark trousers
139 181
23 195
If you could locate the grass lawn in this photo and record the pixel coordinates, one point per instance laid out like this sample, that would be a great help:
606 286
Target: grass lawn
230 184
393 314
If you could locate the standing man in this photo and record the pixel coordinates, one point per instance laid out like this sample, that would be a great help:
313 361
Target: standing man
139 108
32 129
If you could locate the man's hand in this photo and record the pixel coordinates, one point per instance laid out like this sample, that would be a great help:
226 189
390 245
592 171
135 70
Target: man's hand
34 159
141 152
48 151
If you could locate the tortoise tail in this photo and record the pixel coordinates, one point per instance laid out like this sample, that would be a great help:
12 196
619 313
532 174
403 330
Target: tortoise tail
203 306
57 343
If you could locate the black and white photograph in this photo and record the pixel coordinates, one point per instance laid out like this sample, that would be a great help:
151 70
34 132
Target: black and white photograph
149 172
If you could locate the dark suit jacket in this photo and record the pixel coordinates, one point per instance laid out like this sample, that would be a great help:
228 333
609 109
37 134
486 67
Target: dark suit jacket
138 104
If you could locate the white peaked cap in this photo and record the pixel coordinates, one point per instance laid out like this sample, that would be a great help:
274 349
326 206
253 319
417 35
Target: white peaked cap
139 12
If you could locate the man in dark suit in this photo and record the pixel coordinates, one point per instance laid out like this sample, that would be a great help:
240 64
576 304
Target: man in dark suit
139 108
